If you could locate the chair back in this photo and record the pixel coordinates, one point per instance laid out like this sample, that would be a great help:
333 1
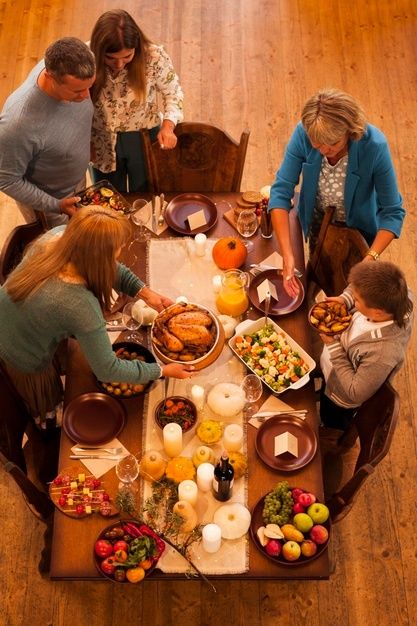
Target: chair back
338 249
15 244
374 424
205 159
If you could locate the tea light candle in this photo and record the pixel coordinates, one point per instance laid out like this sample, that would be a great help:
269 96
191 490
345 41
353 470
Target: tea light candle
205 473
217 283
233 437
172 435
212 537
197 396
200 244
187 490
181 300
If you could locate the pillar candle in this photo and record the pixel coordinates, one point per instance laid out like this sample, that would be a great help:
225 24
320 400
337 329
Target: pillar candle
172 434
200 244
233 437
187 490
205 473
217 283
197 396
212 537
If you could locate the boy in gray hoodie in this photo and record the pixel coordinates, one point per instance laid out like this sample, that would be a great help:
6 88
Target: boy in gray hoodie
357 362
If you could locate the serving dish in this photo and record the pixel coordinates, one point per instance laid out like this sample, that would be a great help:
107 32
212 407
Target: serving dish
180 207
130 351
178 410
329 317
281 384
274 426
93 419
199 356
286 303
104 194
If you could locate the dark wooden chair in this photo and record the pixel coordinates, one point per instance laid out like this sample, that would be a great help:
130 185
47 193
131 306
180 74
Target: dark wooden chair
205 159
374 425
15 244
338 249
14 420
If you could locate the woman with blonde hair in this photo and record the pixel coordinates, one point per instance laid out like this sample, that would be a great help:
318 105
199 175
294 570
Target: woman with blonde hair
131 73
61 289
344 162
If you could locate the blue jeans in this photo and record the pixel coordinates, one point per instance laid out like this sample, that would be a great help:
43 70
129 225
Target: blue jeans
130 174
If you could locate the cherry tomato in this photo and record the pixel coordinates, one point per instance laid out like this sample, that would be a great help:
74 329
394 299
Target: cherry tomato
80 509
106 497
65 490
105 509
103 548
108 566
96 483
58 480
120 545
135 575
62 500
120 556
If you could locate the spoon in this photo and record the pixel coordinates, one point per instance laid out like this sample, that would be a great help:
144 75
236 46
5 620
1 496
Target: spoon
161 218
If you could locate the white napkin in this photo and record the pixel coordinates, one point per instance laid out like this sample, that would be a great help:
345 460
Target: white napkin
274 260
275 406
98 467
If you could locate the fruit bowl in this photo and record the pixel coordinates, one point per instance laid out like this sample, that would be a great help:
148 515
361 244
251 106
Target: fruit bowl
129 351
178 410
314 547
329 317
127 551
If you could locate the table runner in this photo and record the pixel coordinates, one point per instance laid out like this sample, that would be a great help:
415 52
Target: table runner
174 269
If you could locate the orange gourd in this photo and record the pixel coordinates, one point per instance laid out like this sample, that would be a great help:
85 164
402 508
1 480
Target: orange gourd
229 253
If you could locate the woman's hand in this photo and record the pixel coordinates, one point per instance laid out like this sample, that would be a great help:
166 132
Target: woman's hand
154 300
166 136
291 285
178 370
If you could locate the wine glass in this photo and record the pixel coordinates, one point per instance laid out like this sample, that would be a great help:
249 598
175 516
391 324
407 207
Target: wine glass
131 322
252 388
247 225
127 470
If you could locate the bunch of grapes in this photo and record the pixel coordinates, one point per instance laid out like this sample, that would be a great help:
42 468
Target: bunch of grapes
278 505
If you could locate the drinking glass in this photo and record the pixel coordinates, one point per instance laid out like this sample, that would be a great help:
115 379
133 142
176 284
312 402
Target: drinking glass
127 470
252 388
131 323
247 225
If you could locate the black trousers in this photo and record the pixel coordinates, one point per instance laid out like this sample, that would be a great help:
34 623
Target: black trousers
332 415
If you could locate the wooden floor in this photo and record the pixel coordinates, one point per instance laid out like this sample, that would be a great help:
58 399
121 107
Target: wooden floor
252 63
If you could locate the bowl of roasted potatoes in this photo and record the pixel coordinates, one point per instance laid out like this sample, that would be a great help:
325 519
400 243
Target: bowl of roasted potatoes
330 317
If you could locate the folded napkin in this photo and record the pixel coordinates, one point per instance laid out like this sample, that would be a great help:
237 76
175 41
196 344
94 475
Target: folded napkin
274 260
98 467
275 406
158 229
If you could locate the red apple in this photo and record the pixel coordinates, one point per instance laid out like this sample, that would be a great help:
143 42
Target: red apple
298 508
308 548
319 534
296 493
291 551
273 547
306 499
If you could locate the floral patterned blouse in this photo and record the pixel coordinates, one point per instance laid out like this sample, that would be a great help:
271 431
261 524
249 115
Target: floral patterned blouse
117 110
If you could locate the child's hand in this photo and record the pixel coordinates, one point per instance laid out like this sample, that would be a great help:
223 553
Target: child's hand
335 299
327 339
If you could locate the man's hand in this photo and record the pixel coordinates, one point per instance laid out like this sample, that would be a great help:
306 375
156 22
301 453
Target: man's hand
69 205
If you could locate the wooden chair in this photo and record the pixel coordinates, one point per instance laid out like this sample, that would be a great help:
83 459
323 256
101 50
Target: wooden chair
205 159
338 249
15 244
374 425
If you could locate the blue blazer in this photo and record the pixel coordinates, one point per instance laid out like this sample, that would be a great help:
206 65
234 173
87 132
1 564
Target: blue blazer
372 199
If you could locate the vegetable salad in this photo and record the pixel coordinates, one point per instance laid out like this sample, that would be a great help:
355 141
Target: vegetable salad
270 356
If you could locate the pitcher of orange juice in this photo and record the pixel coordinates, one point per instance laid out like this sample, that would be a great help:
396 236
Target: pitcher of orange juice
232 299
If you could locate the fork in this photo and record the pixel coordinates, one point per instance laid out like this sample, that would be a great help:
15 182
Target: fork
161 218
116 450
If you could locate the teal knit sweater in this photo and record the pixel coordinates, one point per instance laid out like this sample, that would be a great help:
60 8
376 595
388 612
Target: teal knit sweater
30 331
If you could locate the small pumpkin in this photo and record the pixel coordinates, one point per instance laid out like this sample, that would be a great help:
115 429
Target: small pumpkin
180 468
152 465
239 463
185 510
229 253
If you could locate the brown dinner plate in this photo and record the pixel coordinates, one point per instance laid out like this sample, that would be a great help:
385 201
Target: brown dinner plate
286 303
264 442
93 419
186 204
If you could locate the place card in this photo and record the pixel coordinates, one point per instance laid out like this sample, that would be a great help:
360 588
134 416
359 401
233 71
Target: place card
265 287
197 219
286 442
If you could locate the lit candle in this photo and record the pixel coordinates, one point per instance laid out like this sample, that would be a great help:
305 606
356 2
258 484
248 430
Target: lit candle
205 473
217 283
212 537
200 244
172 434
187 490
233 437
181 300
197 396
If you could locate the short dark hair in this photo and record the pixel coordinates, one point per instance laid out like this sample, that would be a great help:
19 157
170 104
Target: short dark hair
70 56
382 285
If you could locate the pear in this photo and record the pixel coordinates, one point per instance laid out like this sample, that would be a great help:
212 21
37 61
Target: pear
203 454
291 533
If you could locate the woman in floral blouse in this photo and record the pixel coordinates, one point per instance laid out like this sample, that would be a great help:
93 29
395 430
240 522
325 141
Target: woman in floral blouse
131 72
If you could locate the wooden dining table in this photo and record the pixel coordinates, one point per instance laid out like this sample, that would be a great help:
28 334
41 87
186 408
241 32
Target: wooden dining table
73 539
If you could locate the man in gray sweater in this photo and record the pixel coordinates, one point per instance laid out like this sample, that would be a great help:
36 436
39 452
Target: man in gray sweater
45 129
356 363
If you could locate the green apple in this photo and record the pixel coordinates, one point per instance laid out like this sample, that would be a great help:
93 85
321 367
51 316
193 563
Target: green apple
319 513
303 522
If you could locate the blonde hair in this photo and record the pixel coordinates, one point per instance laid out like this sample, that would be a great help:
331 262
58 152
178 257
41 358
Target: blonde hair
115 31
89 242
330 114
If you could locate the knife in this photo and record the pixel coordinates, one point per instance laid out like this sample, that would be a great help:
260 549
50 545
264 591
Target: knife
154 214
109 457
